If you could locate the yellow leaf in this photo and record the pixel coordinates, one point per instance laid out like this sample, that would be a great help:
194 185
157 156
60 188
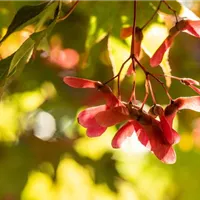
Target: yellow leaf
118 52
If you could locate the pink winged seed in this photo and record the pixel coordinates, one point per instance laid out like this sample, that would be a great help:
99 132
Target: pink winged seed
170 135
156 59
196 89
86 118
95 130
189 81
152 137
111 117
189 26
80 82
193 27
122 134
191 103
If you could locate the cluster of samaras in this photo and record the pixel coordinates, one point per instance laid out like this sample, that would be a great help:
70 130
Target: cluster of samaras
156 134
154 128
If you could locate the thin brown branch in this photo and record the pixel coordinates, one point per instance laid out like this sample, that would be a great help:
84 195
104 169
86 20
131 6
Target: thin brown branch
151 91
170 8
69 12
133 97
134 26
152 75
156 11
119 74
146 94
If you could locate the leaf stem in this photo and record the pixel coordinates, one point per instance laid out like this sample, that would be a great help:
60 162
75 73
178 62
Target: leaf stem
151 91
170 8
153 76
119 74
133 97
69 12
134 26
156 11
146 94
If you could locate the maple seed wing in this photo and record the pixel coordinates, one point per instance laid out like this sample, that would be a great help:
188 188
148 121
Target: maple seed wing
86 118
80 82
111 117
156 59
192 103
121 135
193 28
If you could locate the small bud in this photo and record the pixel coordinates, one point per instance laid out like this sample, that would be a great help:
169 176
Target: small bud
138 34
156 110
171 109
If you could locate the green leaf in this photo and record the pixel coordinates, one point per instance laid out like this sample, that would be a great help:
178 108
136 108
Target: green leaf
25 16
24 51
4 68
15 63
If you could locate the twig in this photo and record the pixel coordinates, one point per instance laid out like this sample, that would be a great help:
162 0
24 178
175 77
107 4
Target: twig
156 11
69 12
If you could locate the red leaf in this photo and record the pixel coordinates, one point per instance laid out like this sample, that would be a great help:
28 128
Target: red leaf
121 135
64 58
80 82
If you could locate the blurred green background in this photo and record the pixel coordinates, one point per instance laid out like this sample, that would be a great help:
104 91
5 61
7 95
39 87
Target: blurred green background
46 155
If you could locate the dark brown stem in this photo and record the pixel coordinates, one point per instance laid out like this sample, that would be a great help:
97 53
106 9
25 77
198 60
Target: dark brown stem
146 94
119 74
170 8
69 12
133 97
151 91
134 26
158 80
110 79
156 11
163 86
170 76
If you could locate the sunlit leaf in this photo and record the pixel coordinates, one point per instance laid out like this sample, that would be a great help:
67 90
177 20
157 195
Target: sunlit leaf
4 67
119 52
26 15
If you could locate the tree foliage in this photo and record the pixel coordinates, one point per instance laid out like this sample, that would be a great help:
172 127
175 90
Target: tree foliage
45 151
